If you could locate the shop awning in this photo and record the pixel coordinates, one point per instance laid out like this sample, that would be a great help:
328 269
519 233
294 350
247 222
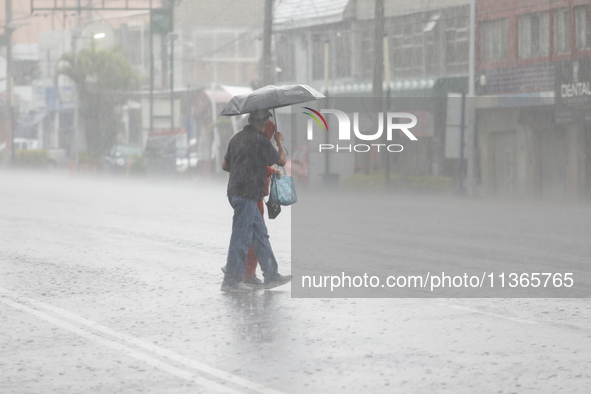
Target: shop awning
293 14
29 122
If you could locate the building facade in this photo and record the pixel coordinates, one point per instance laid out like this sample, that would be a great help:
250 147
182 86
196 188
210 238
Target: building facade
533 70
330 46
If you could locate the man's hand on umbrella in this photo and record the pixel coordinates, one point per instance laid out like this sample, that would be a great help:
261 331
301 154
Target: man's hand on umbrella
282 159
278 137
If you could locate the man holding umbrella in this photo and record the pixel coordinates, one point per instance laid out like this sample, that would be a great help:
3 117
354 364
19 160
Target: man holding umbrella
248 155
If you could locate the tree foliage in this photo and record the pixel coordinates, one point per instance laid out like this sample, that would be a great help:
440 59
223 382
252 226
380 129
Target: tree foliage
101 77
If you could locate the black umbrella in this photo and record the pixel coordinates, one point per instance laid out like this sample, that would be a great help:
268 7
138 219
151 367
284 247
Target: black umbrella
270 97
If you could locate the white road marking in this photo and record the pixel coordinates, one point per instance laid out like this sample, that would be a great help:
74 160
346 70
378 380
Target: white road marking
498 315
122 348
227 376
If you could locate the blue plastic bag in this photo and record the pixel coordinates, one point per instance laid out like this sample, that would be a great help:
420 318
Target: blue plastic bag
283 190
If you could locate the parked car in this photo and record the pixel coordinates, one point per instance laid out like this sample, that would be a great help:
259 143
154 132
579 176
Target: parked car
181 157
297 165
119 158
25 144
166 152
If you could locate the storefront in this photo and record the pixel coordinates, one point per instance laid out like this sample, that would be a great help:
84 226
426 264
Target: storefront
511 134
572 117
538 145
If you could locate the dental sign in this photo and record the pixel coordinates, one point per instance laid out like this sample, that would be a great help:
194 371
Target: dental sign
572 94
574 86
575 89
401 122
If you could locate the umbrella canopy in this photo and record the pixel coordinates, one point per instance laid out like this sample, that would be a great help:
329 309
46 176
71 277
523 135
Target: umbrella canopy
270 97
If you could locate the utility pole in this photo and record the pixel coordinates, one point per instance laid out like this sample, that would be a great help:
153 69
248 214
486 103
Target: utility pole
387 103
76 121
378 52
378 66
76 35
171 37
471 140
151 43
9 72
462 146
266 72
164 61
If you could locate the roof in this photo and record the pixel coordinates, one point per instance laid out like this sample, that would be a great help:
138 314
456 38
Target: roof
29 121
219 15
289 14
365 9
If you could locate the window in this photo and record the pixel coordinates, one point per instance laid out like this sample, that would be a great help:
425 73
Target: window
456 50
493 40
456 41
25 71
534 35
406 47
204 44
284 50
562 30
247 46
224 55
582 26
432 51
366 43
343 54
225 45
318 56
136 39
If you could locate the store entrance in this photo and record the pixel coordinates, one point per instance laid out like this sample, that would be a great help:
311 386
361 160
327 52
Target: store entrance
553 165
587 180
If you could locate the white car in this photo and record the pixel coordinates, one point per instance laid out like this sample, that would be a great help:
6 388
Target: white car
25 144
181 162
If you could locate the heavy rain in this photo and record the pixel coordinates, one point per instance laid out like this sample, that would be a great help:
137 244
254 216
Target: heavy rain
423 170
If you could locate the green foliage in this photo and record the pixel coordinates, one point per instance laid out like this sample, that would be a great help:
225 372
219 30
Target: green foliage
37 158
99 76
99 70
87 158
398 182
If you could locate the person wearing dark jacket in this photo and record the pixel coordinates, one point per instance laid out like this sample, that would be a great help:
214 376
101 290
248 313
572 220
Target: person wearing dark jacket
248 155
250 277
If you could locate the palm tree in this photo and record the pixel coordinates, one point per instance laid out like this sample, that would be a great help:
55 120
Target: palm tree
100 75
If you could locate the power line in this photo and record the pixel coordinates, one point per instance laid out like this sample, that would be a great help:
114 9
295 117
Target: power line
225 46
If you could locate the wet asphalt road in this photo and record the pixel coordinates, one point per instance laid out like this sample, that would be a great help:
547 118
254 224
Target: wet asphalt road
112 286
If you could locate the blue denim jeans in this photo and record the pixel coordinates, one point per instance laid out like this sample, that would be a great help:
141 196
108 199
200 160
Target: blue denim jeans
248 228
